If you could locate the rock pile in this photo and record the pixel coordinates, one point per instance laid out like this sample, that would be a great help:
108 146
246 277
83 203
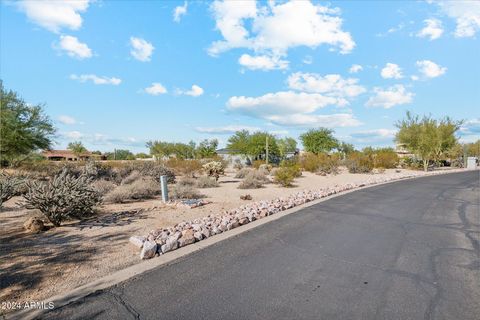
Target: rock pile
167 239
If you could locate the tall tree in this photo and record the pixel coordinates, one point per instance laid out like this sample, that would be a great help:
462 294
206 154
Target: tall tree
319 140
426 137
76 147
24 128
286 145
207 148
238 143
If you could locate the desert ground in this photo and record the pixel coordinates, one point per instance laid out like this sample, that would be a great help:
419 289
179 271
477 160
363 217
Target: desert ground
38 266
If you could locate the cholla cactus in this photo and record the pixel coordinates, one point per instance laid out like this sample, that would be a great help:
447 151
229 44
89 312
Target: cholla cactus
9 187
65 196
214 169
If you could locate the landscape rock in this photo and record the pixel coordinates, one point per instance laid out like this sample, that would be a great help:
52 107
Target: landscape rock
148 250
137 241
34 225
170 244
186 238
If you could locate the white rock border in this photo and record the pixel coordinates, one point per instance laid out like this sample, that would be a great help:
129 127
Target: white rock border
188 232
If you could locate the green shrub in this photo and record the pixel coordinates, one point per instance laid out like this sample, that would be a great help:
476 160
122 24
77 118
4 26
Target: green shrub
310 162
206 182
385 158
358 162
285 176
64 197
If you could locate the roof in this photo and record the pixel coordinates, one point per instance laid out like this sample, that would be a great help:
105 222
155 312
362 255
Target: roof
64 153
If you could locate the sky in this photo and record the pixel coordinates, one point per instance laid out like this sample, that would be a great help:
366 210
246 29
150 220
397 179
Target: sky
116 74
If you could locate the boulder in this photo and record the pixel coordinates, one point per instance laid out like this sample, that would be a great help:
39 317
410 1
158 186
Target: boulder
170 244
148 250
186 238
137 241
34 225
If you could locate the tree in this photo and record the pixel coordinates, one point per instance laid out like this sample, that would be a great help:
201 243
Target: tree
120 154
24 128
473 149
319 140
427 138
286 145
167 149
77 147
207 148
346 148
238 143
253 145
141 155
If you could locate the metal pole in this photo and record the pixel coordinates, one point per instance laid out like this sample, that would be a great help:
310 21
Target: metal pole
266 150
163 184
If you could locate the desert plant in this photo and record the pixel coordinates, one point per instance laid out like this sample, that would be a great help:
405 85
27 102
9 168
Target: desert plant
206 182
133 176
187 167
180 191
293 164
358 162
253 180
285 176
103 186
142 188
328 164
9 187
242 173
238 164
386 158
156 170
65 196
310 162
187 181
257 163
214 169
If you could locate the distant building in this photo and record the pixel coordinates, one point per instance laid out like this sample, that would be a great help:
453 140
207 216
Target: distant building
232 156
403 152
68 155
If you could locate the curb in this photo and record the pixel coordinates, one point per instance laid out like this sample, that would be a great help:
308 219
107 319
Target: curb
133 271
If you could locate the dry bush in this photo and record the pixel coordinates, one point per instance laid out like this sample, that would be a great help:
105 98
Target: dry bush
242 173
10 186
187 181
238 164
257 163
310 162
386 158
187 167
328 164
180 191
253 180
206 182
214 169
285 176
358 162
133 176
143 188
260 175
64 197
156 170
293 164
103 186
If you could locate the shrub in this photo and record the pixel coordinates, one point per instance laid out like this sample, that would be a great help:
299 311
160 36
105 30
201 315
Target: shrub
103 186
310 162
386 158
206 182
358 162
295 167
187 181
9 187
156 170
242 173
142 188
133 176
187 167
260 175
65 196
265 168
254 179
214 169
180 191
285 176
257 163
238 164
328 164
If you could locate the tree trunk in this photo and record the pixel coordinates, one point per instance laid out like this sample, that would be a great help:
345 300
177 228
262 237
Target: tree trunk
425 165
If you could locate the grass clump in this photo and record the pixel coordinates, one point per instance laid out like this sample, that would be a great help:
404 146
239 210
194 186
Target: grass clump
254 179
182 191
142 188
206 182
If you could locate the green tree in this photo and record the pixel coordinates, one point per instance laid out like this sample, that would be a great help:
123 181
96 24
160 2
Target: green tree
207 148
319 140
286 145
167 149
238 143
24 128
426 137
77 147
120 154
346 148
257 146
473 149
141 155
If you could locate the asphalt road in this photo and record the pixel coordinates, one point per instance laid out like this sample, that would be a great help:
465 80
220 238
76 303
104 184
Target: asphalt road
405 250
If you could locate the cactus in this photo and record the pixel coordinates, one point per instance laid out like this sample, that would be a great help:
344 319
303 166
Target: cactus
9 187
214 169
63 197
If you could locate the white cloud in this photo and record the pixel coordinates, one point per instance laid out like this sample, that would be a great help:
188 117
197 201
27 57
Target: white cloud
54 15
73 134
470 127
142 50
67 119
179 11
376 133
74 48
275 28
226 129
156 89
331 85
392 96
414 78
355 68
466 15
312 120
430 69
195 91
96 79
262 62
433 29
391 71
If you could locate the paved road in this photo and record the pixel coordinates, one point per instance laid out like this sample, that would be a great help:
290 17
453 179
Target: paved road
406 250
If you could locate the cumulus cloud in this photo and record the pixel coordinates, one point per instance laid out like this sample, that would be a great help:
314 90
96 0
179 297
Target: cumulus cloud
195 91
313 120
142 50
391 71
72 135
156 89
430 69
74 48
67 120
275 28
466 15
376 133
96 79
331 85
226 129
390 97
355 68
433 29
180 11
262 62
54 15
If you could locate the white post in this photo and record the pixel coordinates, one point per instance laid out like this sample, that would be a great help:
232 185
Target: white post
163 184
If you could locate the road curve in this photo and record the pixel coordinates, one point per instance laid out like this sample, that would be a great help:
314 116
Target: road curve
404 250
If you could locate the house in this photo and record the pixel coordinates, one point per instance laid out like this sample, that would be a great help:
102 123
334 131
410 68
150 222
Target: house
232 156
68 155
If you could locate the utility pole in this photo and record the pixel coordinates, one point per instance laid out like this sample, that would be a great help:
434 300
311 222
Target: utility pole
266 150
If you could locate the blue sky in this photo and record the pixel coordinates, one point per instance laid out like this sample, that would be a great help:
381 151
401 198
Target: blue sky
115 74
